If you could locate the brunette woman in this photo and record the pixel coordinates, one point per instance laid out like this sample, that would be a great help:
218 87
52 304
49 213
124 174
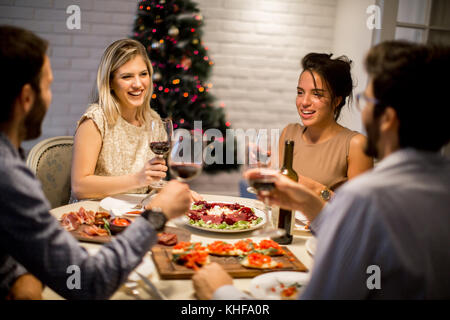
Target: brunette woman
326 154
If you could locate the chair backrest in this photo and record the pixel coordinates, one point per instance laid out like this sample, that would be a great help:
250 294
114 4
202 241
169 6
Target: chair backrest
51 162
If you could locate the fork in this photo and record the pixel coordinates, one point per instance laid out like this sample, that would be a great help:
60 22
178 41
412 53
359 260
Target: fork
141 203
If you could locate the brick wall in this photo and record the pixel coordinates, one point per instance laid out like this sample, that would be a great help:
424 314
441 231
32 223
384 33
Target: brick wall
256 45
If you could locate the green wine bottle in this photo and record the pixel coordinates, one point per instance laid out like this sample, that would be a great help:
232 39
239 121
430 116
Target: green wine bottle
285 216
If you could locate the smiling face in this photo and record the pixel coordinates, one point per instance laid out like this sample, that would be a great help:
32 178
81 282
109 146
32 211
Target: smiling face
313 100
131 82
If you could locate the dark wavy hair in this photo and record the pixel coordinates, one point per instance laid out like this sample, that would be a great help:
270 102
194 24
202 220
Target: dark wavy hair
406 77
22 55
335 73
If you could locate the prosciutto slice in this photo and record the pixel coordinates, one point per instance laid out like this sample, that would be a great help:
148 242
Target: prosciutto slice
94 231
70 221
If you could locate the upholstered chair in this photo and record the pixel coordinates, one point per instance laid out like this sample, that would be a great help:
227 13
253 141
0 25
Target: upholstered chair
51 161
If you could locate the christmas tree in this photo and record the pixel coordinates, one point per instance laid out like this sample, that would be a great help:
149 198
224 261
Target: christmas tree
170 30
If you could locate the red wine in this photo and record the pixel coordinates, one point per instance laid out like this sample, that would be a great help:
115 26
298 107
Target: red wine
262 184
160 148
186 171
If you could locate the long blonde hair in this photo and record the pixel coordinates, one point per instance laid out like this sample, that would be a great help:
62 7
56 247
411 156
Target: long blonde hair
116 55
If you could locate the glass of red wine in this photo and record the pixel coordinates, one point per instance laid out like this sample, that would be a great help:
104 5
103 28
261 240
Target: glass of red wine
186 156
259 155
160 141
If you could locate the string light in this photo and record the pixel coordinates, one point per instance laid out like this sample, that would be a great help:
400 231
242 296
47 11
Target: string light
154 96
227 123
185 94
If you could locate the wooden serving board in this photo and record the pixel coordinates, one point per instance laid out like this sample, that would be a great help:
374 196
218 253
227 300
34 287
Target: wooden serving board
170 270
182 235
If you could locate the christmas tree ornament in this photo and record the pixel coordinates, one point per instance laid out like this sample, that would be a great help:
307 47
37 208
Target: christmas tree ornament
195 41
157 76
156 44
173 31
186 62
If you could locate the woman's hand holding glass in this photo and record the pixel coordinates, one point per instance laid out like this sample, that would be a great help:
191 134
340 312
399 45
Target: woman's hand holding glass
153 171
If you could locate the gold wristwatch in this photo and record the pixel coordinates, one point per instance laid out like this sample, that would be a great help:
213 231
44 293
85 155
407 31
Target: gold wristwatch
325 194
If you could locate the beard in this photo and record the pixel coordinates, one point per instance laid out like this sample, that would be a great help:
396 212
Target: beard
373 135
32 124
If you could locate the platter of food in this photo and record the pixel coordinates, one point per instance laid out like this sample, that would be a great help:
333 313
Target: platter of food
225 217
87 225
283 285
101 227
242 259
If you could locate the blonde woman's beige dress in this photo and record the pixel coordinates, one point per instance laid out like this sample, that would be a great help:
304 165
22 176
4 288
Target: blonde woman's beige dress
125 147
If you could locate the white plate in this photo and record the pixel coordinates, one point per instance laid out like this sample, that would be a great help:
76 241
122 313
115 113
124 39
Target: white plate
268 285
258 213
120 204
146 268
301 222
311 245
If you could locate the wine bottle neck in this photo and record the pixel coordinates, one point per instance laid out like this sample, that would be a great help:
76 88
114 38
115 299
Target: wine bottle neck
288 154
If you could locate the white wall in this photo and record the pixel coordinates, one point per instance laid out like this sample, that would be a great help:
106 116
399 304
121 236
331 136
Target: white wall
353 38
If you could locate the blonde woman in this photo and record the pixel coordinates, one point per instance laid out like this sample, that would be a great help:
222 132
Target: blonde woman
111 151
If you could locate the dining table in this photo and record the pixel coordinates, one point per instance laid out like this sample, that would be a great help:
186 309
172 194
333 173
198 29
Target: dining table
182 289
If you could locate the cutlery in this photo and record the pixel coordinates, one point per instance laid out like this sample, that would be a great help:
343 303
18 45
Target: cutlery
140 204
151 289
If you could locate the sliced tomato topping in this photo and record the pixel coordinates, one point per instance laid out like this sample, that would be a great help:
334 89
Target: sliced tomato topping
258 259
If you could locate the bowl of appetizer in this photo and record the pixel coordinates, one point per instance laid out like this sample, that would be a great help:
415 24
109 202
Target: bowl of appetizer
225 217
118 224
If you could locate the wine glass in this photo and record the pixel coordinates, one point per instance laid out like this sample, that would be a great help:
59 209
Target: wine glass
186 160
259 155
186 156
160 140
